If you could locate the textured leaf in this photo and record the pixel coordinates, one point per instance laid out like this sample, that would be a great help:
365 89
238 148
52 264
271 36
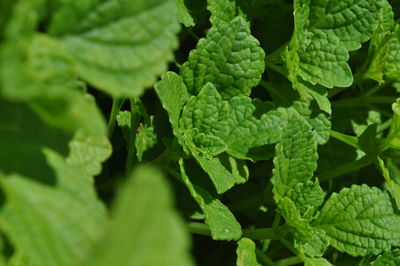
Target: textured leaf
295 157
236 126
246 253
222 175
222 223
320 123
386 56
352 21
360 220
122 50
222 11
391 258
307 196
145 229
229 57
308 240
316 57
173 95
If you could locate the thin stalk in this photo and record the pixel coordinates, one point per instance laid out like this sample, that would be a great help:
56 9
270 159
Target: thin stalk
289 261
276 56
264 258
135 119
276 68
199 228
384 125
116 106
350 140
345 169
272 90
255 234
376 89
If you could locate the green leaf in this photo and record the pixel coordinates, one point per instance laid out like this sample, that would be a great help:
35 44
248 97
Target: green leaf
229 57
222 170
351 21
144 229
385 56
173 95
360 220
63 219
184 16
124 49
88 152
316 57
237 126
222 11
307 196
295 157
393 140
146 138
246 253
37 71
316 262
48 186
391 258
309 241
392 183
222 223
320 122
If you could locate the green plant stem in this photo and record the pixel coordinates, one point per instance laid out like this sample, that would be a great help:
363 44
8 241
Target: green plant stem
264 258
199 228
255 234
288 261
271 88
135 119
384 125
363 100
345 169
350 140
276 56
376 89
116 106
279 69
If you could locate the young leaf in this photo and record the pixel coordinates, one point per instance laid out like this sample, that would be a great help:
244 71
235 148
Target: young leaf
295 157
222 11
246 253
222 223
385 59
229 57
360 220
391 258
307 196
145 229
88 152
173 95
184 16
236 126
